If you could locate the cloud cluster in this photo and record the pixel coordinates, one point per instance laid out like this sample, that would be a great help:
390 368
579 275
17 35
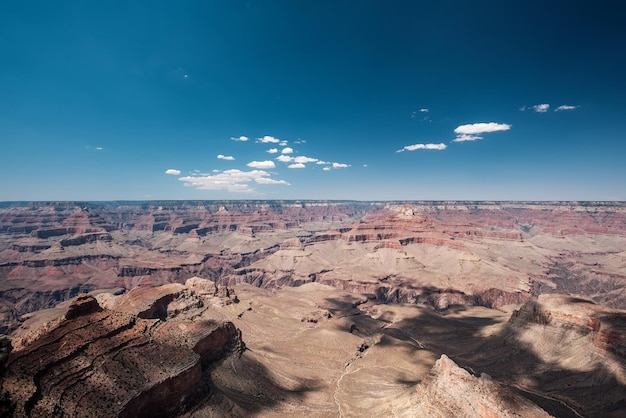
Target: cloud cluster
468 132
242 181
231 180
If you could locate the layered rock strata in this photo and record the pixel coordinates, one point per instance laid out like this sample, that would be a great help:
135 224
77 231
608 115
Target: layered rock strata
141 355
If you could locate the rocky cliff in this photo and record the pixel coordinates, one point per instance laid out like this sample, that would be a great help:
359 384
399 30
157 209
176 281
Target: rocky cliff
139 354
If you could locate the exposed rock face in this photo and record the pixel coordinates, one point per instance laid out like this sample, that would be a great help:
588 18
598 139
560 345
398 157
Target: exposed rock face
594 334
450 391
135 358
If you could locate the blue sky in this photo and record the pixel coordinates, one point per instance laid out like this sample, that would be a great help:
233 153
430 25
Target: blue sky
367 100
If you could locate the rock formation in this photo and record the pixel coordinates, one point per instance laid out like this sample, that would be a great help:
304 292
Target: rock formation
450 391
140 356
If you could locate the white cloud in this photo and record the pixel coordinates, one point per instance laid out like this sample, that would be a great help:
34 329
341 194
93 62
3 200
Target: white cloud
272 150
226 157
267 139
296 165
470 132
565 107
284 158
541 108
241 138
303 159
414 147
522 109
480 128
466 137
326 168
283 143
266 180
99 148
172 171
320 162
231 180
261 164
287 151
424 110
340 165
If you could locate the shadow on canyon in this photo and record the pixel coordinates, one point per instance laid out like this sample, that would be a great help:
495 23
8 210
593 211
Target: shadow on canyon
506 355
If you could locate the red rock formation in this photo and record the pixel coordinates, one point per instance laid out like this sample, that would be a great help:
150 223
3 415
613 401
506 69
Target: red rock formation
128 360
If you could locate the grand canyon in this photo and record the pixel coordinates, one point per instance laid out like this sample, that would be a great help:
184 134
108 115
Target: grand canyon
313 308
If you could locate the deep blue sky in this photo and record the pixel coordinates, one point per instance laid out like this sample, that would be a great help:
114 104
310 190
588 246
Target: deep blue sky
100 100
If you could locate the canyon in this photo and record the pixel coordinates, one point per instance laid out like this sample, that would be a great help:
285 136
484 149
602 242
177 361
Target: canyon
314 308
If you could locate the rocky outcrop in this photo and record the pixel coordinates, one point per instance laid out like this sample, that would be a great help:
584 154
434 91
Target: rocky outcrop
562 318
450 391
136 357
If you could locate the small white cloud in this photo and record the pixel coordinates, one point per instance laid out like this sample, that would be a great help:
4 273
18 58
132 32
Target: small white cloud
326 168
365 165
565 107
272 150
304 160
283 143
466 137
226 157
522 109
296 165
340 165
287 151
241 138
414 147
480 128
320 162
261 164
214 171
172 171
284 158
541 108
267 139
424 110
99 148
470 132
266 180
231 180
300 141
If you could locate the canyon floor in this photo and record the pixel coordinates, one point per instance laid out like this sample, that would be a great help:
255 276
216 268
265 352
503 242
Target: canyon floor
314 308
